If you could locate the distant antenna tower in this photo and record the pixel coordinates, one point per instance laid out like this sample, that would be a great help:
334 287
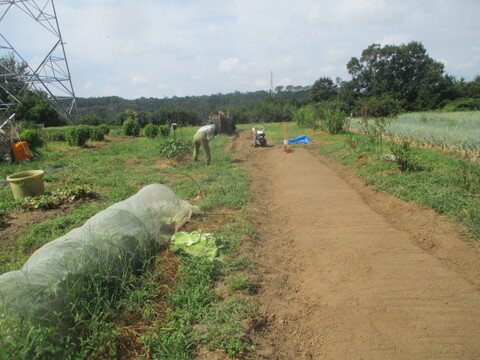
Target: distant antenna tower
271 82
40 40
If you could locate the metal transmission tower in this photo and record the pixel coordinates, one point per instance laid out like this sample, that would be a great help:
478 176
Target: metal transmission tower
47 73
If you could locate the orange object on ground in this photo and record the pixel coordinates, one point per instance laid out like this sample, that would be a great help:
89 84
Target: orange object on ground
21 151
286 147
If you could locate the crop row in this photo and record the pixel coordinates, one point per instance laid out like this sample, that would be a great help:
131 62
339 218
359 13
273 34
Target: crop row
446 130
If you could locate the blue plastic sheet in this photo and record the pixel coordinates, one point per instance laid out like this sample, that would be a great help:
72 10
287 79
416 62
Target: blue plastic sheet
300 139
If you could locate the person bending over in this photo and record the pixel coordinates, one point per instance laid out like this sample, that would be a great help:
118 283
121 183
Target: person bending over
202 138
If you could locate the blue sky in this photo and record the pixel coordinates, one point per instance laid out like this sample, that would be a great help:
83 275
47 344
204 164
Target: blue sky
165 48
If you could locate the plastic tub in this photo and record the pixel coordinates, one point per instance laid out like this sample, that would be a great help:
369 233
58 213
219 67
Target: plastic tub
21 151
27 183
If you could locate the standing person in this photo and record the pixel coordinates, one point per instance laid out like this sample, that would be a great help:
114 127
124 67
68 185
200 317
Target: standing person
201 138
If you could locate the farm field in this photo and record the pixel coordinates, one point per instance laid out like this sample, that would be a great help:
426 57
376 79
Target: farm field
318 265
445 130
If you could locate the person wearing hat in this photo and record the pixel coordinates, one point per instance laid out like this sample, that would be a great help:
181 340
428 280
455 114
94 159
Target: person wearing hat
201 139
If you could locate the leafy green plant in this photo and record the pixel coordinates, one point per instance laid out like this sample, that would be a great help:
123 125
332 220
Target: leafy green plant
374 129
150 131
333 120
131 127
164 130
307 117
97 134
57 198
78 135
105 129
55 134
171 148
33 137
404 157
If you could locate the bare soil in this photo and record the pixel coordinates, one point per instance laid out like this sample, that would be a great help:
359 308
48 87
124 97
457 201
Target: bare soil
346 272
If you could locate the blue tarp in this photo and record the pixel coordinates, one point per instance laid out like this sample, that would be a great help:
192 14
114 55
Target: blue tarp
300 139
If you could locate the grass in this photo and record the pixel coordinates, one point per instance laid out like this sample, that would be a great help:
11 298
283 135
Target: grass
172 319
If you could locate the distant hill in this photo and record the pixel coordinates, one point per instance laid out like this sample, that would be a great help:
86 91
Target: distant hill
109 106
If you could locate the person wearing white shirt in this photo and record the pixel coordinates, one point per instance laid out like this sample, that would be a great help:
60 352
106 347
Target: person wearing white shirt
201 138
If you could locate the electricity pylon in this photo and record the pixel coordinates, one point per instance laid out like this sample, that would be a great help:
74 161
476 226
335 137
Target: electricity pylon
47 72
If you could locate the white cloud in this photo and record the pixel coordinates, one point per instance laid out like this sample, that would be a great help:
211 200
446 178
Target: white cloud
261 83
89 85
397 39
285 81
108 90
445 62
139 79
228 65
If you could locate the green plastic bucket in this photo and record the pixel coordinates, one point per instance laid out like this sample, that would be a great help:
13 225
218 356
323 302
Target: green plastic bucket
27 183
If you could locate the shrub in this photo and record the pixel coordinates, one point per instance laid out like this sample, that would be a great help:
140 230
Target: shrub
404 158
131 128
56 135
33 138
333 120
150 131
307 117
97 134
105 129
171 148
164 130
462 104
78 135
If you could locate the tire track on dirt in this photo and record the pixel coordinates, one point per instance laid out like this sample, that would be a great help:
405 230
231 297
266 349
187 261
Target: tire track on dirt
340 280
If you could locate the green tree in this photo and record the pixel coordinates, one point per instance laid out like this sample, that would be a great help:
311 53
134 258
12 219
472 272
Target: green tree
11 77
90 119
34 109
400 72
126 115
307 116
323 89
469 89
272 111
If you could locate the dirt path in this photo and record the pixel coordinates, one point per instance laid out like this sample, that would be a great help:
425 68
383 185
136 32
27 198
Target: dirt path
348 273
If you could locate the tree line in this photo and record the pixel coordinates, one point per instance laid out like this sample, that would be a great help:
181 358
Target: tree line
385 80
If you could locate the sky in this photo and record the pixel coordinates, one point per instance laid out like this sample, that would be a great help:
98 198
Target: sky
166 48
